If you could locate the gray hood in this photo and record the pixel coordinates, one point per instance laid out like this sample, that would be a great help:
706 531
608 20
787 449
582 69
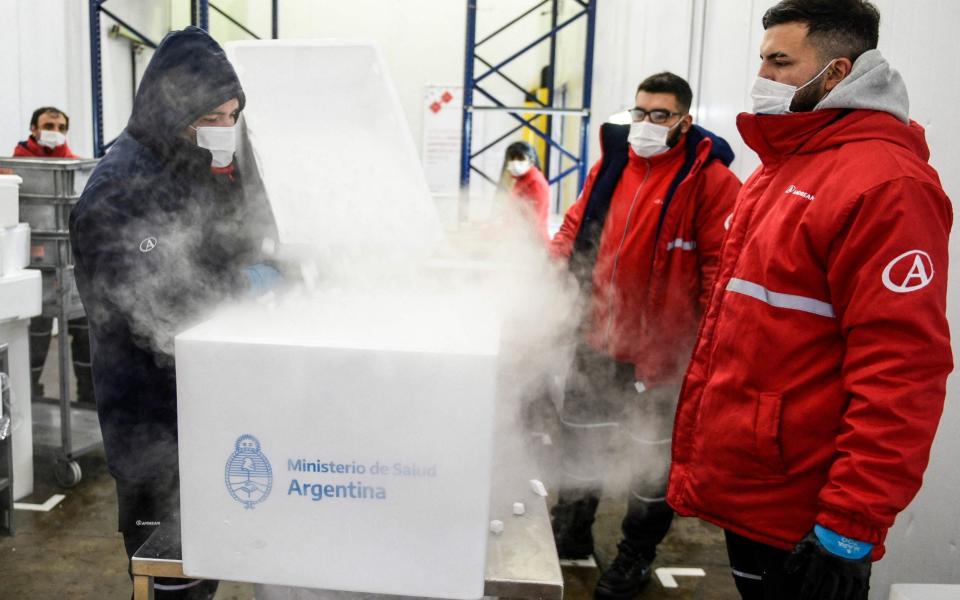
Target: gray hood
873 85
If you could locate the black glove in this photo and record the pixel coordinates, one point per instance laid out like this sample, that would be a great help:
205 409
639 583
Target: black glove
823 575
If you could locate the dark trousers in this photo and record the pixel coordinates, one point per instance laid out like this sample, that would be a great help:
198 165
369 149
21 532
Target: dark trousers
143 506
79 332
608 424
758 570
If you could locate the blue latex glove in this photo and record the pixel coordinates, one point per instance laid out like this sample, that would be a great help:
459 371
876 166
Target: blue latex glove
841 546
262 279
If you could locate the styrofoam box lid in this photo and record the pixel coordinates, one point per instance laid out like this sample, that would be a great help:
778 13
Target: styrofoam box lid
10 180
357 181
446 323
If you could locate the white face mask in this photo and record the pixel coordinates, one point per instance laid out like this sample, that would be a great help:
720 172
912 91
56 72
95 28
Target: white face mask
775 98
649 139
518 168
51 139
220 141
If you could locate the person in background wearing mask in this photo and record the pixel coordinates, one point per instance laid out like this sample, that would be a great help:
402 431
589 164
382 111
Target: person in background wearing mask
162 234
48 139
818 379
48 135
643 240
531 191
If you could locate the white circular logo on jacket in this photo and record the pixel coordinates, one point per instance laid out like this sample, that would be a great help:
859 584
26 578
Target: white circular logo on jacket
909 272
148 244
726 224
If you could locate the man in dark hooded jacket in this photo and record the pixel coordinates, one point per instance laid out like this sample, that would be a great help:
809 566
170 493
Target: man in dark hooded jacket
161 235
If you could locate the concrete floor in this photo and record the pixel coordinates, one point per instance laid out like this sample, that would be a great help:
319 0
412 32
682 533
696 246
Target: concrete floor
74 551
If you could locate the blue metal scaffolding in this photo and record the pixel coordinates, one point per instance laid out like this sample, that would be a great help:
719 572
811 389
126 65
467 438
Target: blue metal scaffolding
471 86
199 16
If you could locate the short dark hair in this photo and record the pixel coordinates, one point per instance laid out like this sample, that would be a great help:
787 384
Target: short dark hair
837 28
56 112
668 83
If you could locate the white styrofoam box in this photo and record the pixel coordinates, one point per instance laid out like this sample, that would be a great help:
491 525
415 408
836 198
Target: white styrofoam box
9 200
355 184
921 591
14 248
19 300
20 295
14 334
390 396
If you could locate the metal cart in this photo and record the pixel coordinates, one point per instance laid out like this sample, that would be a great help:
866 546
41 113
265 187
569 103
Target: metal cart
50 189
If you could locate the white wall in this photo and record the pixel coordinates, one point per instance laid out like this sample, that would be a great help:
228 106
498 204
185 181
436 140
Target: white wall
634 40
918 38
45 44
37 70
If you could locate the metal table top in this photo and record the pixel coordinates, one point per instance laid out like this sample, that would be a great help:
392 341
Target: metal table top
521 561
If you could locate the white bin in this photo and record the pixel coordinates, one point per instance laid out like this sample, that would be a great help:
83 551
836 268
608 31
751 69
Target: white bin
323 450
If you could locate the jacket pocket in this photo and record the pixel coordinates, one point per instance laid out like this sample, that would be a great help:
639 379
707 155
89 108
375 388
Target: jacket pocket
767 432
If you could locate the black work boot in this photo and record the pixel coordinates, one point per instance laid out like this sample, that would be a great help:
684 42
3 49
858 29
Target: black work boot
573 527
626 577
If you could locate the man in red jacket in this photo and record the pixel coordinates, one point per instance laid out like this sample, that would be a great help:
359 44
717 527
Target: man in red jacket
643 240
48 139
48 135
818 380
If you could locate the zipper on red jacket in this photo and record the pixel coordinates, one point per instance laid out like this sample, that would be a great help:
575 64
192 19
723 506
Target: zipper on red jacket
616 256
656 246
745 223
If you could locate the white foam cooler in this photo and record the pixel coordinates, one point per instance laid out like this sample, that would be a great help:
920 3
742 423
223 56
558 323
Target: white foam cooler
322 451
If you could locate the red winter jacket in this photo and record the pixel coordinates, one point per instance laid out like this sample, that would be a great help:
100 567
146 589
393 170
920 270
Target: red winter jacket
819 374
653 323
532 192
30 148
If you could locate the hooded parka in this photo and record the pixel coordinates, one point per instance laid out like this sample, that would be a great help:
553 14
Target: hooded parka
159 240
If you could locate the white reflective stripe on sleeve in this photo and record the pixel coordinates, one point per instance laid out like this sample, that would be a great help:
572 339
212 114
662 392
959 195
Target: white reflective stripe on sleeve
743 575
802 303
682 244
183 586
